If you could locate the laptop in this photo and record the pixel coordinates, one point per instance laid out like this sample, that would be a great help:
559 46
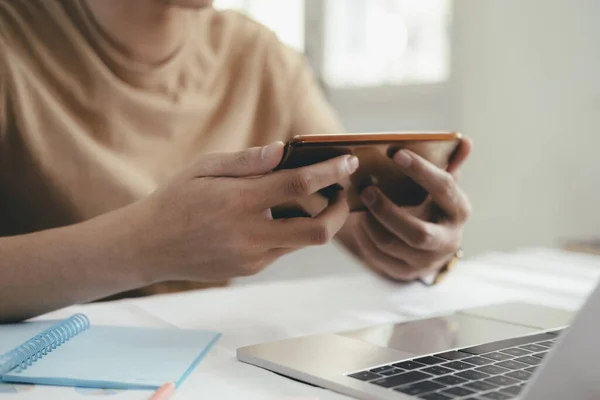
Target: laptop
499 352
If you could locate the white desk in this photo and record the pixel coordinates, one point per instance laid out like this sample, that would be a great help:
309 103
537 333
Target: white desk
261 312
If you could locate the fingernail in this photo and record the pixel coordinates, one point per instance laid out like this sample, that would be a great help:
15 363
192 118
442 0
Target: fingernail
270 150
368 196
352 164
403 159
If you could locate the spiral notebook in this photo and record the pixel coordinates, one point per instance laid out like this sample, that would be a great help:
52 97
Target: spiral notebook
73 353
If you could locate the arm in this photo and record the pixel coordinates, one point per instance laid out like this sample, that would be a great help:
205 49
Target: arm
47 270
210 223
51 269
43 271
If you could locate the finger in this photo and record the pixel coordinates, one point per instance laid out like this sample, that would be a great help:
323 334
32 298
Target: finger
462 153
381 262
319 230
391 245
386 243
415 232
457 175
250 162
384 240
438 183
291 184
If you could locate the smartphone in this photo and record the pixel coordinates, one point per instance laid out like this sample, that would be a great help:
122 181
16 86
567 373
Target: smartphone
376 167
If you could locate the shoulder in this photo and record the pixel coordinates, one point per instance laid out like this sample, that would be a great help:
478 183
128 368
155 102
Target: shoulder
244 40
249 62
229 27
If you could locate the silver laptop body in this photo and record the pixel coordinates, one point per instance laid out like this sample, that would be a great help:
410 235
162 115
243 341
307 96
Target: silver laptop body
515 350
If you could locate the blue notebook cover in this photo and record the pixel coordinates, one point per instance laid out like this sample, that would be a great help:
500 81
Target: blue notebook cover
73 353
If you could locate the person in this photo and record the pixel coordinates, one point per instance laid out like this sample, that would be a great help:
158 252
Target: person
137 144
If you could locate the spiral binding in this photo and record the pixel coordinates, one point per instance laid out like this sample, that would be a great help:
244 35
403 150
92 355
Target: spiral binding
37 347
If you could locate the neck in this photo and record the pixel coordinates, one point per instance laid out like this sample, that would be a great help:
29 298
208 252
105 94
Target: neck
148 31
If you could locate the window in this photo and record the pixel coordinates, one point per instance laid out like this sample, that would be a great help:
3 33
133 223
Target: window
383 42
364 43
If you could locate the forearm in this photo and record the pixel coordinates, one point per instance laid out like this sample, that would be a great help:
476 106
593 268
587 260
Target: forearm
51 269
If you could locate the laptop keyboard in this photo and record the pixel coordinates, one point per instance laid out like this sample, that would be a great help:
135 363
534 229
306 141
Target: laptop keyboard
492 371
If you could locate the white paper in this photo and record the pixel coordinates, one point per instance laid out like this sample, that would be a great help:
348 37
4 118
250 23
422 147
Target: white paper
276 310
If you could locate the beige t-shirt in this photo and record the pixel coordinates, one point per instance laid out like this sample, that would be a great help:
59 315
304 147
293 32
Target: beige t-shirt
85 130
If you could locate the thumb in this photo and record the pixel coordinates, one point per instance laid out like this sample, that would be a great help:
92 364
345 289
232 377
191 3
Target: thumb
251 162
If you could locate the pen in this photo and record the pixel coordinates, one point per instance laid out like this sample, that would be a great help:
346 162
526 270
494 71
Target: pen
441 274
448 267
164 392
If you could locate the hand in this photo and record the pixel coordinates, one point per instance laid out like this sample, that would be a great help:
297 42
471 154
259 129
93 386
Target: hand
407 243
213 221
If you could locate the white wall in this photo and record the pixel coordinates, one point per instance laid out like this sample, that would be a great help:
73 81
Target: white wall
527 87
